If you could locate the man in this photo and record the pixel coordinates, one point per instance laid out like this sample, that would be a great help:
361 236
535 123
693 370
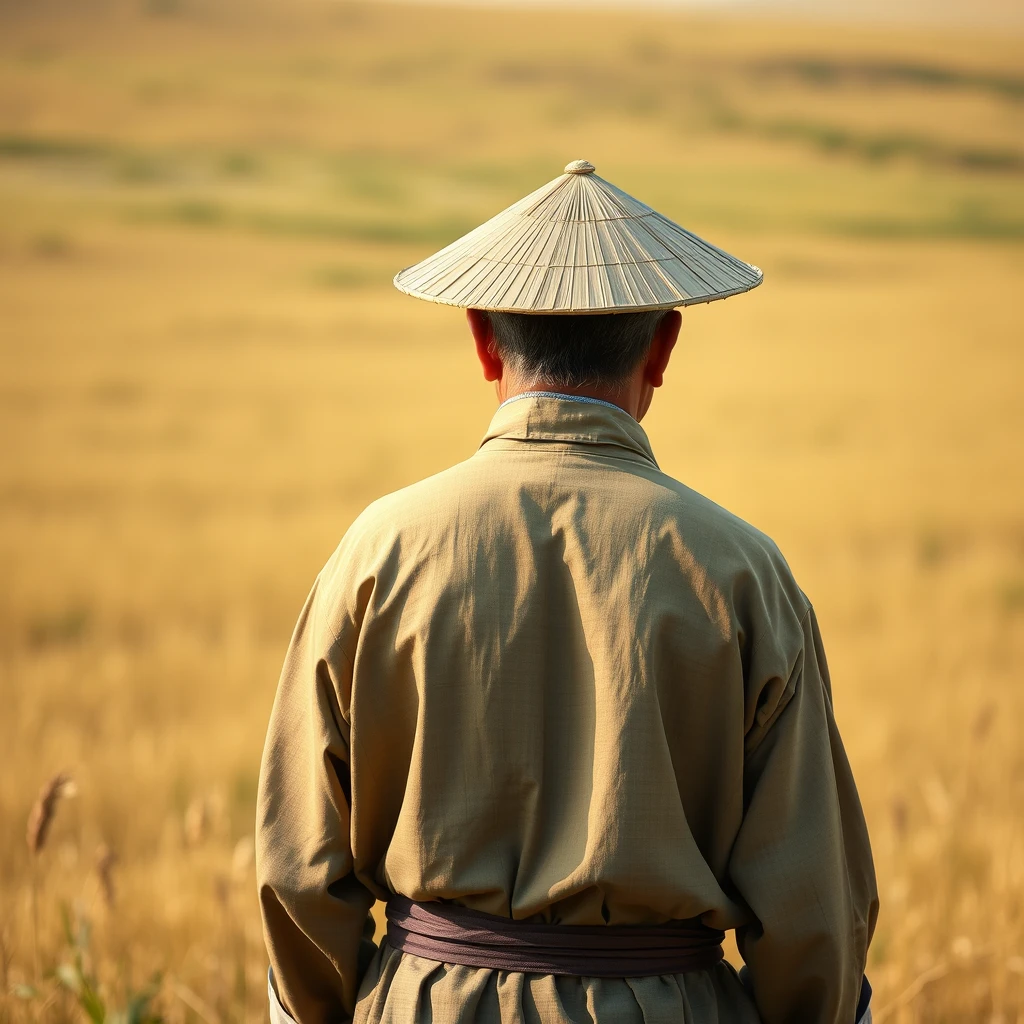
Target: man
570 719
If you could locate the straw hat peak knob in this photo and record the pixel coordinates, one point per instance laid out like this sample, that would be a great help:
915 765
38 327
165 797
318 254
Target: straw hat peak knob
579 167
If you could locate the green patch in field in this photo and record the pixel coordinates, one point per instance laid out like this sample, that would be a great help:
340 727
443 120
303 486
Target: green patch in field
953 228
341 278
434 233
194 212
143 169
1011 596
932 550
369 177
38 54
208 213
825 72
875 148
59 629
41 147
373 186
52 245
514 177
241 165
127 165
162 8
835 139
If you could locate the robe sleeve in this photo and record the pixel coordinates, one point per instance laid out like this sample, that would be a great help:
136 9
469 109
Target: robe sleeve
802 861
316 920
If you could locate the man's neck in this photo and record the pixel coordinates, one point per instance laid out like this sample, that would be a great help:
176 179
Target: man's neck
623 397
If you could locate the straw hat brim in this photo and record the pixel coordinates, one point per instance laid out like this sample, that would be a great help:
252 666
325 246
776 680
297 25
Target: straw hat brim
578 245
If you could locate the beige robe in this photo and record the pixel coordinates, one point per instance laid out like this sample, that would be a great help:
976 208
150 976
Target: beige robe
552 682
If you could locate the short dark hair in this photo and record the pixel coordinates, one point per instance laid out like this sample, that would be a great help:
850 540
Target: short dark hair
572 350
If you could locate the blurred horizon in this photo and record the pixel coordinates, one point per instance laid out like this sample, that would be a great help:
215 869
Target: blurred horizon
981 15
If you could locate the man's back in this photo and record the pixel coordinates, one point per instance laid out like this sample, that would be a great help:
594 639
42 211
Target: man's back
553 683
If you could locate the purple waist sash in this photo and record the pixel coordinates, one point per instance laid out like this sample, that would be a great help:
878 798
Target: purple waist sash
456 935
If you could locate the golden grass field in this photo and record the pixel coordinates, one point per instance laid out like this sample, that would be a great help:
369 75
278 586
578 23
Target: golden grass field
206 374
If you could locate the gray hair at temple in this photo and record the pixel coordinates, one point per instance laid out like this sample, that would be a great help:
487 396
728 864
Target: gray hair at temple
572 351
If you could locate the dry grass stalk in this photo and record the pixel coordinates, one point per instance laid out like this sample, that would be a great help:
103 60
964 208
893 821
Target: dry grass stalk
222 891
984 721
197 821
195 1002
242 859
106 860
40 819
44 809
919 984
5 960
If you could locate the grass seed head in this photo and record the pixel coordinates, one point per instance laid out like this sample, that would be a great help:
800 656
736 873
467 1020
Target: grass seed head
44 809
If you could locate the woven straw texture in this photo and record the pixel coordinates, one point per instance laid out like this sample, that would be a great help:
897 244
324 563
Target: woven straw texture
578 245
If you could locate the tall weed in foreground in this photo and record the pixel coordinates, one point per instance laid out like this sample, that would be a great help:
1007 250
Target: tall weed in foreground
40 819
89 974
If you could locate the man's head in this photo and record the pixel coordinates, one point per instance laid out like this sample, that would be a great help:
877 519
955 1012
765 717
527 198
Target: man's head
620 357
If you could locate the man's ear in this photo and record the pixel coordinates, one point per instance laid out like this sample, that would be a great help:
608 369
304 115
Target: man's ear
661 348
486 351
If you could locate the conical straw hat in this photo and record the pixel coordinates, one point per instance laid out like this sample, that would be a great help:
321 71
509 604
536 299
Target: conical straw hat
578 245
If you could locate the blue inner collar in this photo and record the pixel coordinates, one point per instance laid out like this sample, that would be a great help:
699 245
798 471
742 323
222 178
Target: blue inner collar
558 394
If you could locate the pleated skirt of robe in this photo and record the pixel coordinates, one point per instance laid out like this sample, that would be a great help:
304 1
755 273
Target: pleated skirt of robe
402 989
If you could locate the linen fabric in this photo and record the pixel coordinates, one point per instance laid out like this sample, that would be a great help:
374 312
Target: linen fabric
554 684
279 1015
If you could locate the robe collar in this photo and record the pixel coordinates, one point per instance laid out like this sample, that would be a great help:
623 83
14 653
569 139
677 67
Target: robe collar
547 416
